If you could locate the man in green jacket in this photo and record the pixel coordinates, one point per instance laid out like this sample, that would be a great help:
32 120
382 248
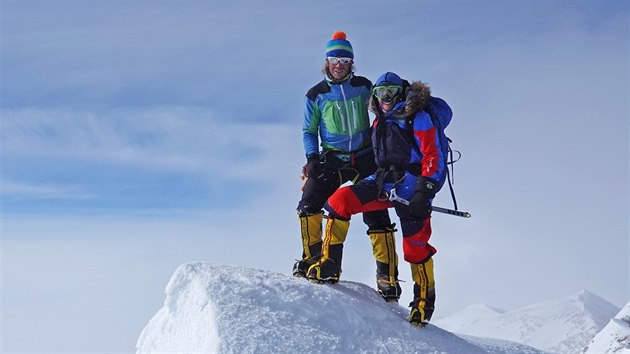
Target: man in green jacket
336 112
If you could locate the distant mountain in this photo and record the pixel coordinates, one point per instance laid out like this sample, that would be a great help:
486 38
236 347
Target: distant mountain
615 337
563 325
227 309
470 317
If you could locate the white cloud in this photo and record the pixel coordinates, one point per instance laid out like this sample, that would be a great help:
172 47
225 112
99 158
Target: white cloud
184 139
41 191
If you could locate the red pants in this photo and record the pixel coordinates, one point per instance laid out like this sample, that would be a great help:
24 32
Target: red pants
362 197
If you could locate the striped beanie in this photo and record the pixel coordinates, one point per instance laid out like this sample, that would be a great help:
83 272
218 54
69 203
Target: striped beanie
339 46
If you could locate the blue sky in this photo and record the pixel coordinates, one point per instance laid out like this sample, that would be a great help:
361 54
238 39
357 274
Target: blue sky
137 136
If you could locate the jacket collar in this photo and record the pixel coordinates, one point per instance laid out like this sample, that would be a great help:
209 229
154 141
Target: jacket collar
332 81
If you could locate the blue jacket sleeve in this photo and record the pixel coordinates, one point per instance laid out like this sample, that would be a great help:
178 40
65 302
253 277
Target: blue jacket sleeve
310 129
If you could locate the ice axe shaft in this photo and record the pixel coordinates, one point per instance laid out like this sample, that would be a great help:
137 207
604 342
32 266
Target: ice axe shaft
395 198
463 214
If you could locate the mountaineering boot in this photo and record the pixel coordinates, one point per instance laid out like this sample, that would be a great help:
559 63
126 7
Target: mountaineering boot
389 291
311 231
301 267
327 270
384 249
423 303
328 267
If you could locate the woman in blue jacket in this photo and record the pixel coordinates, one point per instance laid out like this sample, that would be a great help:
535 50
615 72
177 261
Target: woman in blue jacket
411 169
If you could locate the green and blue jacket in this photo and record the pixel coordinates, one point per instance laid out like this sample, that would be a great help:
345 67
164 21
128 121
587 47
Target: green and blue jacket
337 112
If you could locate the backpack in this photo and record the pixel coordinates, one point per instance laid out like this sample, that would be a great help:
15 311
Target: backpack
441 115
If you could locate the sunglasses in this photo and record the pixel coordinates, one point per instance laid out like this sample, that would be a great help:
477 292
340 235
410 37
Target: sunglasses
387 93
335 60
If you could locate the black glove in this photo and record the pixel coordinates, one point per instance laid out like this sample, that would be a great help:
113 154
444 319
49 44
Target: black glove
419 205
313 168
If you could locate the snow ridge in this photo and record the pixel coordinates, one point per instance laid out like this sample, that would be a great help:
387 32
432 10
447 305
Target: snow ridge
228 309
615 337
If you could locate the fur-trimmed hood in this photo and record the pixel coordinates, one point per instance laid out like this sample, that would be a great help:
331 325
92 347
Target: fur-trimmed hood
416 98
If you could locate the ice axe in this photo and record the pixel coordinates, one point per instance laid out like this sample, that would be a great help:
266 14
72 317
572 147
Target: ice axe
395 198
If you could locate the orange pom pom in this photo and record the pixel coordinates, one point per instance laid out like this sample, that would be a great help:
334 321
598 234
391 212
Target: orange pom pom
339 35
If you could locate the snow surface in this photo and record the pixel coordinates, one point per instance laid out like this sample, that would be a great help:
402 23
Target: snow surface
563 325
615 337
228 309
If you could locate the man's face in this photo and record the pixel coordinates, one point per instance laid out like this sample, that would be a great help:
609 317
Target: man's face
339 67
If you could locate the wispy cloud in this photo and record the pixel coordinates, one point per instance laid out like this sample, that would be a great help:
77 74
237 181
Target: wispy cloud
127 160
189 139
41 191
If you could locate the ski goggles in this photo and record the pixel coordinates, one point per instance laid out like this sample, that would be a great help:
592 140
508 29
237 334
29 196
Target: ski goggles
336 60
386 93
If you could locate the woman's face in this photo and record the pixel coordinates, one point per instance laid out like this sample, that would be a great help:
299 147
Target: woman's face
387 106
388 96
